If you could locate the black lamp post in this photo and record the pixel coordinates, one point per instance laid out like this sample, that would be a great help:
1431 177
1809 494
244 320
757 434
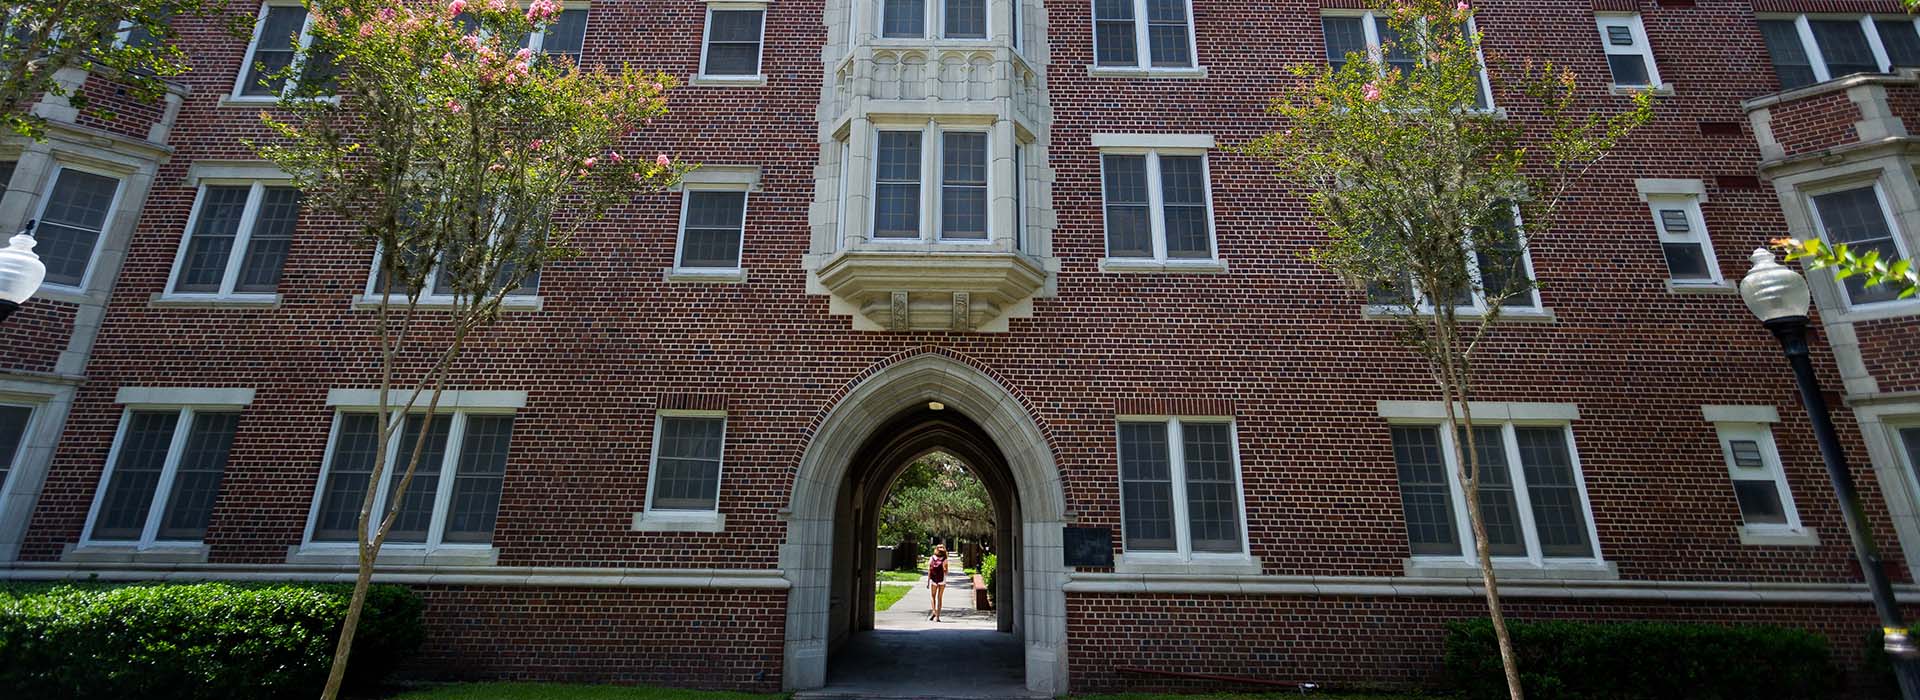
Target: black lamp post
20 272
1779 296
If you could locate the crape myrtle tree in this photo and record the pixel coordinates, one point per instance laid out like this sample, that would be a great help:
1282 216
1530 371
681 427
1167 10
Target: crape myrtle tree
1430 200
464 163
1900 276
128 39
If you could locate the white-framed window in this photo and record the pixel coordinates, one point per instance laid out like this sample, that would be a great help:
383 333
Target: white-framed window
1629 55
688 447
564 36
74 214
16 421
1532 496
1808 49
1362 33
163 476
712 223
1158 203
439 289
1180 491
1759 482
236 241
1909 446
939 192
279 34
1143 34
1857 216
454 498
734 33
1507 267
951 19
1682 230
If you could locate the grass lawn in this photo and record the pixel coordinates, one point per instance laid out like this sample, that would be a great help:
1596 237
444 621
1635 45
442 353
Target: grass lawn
903 576
1276 695
886 594
563 691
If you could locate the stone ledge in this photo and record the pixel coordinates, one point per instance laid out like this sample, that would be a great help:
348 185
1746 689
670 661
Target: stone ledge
726 579
1407 586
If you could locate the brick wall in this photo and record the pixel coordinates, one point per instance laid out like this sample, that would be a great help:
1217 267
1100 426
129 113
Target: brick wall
1815 123
129 116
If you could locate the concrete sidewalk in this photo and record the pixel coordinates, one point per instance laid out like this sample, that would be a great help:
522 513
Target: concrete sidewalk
908 656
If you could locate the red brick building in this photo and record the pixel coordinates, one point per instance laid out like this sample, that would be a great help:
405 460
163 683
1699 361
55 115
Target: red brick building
661 463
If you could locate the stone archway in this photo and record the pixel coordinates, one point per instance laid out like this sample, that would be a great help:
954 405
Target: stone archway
807 557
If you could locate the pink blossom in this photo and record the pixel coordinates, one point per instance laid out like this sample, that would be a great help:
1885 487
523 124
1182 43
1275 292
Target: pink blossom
366 30
454 106
589 162
541 10
386 14
537 143
663 160
524 54
521 68
1462 7
456 7
658 87
496 167
471 42
637 177
496 5
511 78
616 157
1371 92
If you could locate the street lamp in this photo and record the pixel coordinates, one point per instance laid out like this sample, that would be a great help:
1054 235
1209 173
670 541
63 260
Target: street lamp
1779 296
20 272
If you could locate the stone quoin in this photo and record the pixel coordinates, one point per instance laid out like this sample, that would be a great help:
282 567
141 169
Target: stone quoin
660 466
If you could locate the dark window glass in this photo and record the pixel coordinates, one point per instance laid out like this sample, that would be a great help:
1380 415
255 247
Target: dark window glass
71 224
687 473
1168 39
566 35
1502 261
903 19
136 475
1559 516
1213 491
1114 42
1346 39
13 429
714 222
1619 36
1746 453
1900 40
1790 61
356 446
963 185
1686 261
1910 438
1183 183
733 42
1424 492
965 19
415 506
6 174
1397 54
1843 44
1499 509
1759 502
267 247
481 470
1628 69
1129 211
1146 488
211 242
274 49
1854 218
1019 197
196 481
896 196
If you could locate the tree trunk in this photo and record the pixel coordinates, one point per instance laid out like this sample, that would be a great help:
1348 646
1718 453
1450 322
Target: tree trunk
361 582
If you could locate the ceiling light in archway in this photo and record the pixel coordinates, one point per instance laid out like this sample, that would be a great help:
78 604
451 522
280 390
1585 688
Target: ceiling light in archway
935 405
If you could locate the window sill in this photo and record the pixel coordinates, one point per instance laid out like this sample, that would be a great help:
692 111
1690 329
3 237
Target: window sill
117 553
1679 287
212 301
63 293
1155 266
1661 90
1778 536
1379 312
232 100
1454 567
397 554
705 276
1125 72
680 521
1196 565
1880 310
728 81
444 303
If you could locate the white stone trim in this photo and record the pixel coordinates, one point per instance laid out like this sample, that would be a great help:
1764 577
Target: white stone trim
153 553
182 396
1443 567
679 520
1502 411
1767 537
515 576
1417 587
450 399
346 554
1740 414
722 177
235 171
1162 142
1652 186
1199 565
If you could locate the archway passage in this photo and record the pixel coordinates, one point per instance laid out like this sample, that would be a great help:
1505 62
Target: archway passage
861 446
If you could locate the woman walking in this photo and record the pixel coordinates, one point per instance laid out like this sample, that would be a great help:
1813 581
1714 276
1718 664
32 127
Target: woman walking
937 579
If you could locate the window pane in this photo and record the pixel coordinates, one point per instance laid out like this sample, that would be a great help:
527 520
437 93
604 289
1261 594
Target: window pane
273 50
1619 35
1167 39
196 482
416 505
477 479
1900 40
1843 43
267 247
1502 263
687 475
1345 37
211 242
13 429
356 445
733 47
1499 511
1397 55
1759 502
1424 494
1129 225
1685 261
963 190
712 238
1790 62
6 174
966 19
136 474
896 199
70 225
566 35
1146 488
1853 217
1183 184
1114 43
1910 437
1628 69
1746 453
1213 498
903 18
1675 222
1559 516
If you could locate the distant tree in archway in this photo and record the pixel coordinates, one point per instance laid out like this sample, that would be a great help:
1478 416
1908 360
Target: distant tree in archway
936 495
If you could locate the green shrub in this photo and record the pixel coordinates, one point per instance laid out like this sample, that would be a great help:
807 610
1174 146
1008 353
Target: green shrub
201 641
1642 660
990 565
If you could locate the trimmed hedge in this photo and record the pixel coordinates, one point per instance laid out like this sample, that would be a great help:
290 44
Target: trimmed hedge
201 641
1642 660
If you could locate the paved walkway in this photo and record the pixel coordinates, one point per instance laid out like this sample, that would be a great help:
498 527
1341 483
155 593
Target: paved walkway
908 656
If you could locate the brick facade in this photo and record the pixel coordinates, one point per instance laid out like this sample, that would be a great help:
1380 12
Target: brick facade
1277 344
